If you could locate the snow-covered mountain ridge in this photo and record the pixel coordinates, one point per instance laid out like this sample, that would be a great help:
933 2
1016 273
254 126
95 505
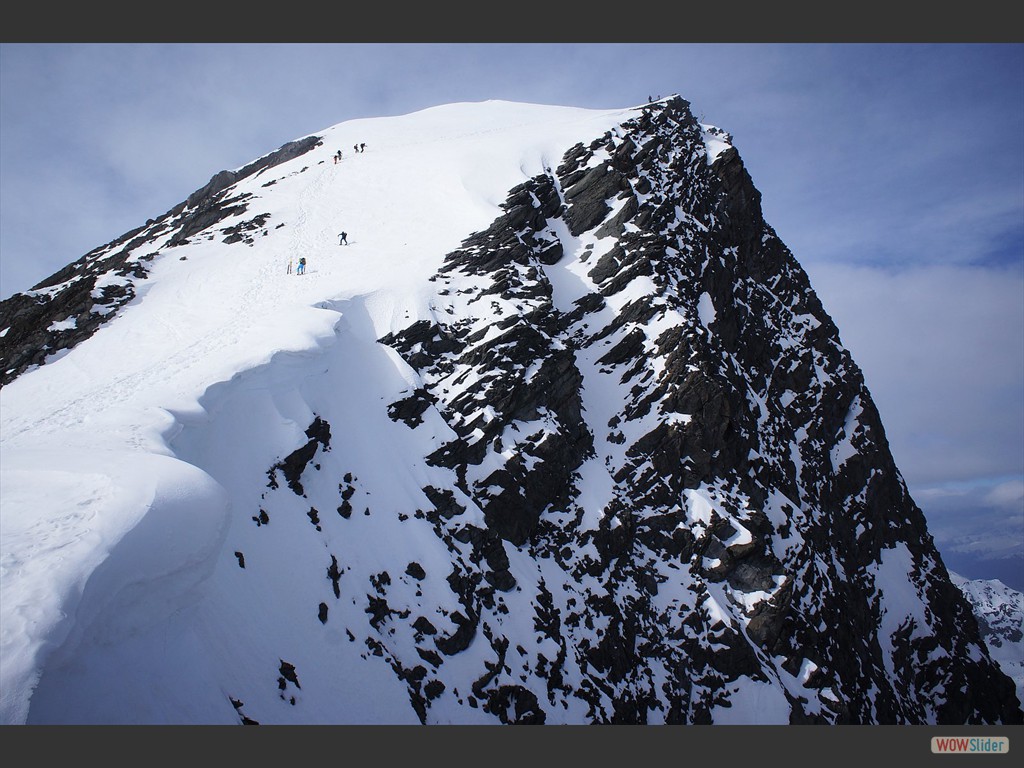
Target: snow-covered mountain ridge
562 436
1000 612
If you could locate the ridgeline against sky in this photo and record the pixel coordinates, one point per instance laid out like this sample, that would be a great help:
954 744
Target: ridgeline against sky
559 434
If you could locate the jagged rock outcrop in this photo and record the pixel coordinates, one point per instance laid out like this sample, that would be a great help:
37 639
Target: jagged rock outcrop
750 507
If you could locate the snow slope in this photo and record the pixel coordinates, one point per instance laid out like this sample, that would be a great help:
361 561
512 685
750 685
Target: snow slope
115 477
155 568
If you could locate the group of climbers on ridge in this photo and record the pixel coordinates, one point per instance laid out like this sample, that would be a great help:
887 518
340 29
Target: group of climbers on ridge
342 236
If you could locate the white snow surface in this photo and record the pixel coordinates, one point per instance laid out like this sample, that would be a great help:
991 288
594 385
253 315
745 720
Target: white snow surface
118 457
122 493
1003 612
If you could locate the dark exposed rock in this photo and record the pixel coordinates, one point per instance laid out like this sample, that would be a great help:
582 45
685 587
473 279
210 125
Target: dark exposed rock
314 517
378 609
205 214
423 625
224 179
241 232
461 638
334 574
288 675
722 486
444 502
660 493
416 571
587 198
515 705
410 409
294 464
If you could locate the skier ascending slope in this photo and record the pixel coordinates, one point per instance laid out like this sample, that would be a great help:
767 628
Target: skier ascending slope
343 238
302 266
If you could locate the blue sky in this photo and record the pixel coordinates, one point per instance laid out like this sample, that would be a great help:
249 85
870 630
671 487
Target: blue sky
894 172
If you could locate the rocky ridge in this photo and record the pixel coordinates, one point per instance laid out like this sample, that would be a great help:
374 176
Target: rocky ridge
68 307
661 455
744 466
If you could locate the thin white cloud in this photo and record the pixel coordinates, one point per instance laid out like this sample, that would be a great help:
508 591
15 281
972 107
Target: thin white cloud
1009 495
